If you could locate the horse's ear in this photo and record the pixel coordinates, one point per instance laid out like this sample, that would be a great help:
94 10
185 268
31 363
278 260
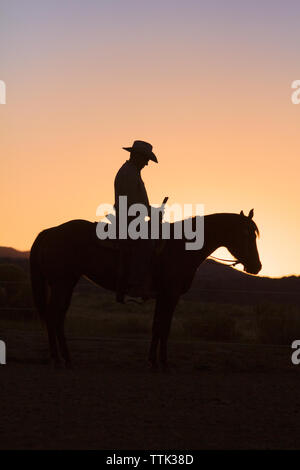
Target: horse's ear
251 213
242 213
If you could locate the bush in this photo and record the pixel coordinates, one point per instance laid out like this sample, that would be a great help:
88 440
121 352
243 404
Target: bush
217 326
277 324
15 293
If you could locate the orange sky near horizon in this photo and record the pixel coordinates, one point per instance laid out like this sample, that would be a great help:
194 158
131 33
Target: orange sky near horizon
214 99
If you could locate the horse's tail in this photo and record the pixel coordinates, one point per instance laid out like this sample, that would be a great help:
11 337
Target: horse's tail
38 280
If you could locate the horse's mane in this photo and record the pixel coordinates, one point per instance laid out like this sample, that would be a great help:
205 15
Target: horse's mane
224 215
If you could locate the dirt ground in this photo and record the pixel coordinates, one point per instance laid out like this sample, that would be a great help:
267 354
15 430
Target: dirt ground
216 396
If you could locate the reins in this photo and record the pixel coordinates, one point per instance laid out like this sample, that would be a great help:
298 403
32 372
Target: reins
233 262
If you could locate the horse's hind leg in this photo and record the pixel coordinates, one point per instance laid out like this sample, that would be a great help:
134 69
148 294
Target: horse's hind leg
63 347
61 293
54 357
156 327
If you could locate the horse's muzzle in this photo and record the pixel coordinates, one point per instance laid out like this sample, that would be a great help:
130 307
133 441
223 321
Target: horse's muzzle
253 269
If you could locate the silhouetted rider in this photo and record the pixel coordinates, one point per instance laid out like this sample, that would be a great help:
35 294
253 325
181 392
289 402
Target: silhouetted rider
128 182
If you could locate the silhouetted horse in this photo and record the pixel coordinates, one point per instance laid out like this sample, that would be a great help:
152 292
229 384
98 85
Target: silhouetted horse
60 255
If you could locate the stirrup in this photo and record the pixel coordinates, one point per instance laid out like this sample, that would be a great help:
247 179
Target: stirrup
134 300
120 297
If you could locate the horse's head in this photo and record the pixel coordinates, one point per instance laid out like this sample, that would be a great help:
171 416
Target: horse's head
242 243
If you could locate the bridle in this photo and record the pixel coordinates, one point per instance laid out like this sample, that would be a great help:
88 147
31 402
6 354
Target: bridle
233 262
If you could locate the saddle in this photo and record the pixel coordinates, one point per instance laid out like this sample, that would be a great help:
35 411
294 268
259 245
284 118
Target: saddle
113 244
125 263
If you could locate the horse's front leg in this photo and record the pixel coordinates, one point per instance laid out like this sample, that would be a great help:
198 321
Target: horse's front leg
166 320
164 308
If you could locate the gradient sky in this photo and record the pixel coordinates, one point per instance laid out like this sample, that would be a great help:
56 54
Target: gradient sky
207 83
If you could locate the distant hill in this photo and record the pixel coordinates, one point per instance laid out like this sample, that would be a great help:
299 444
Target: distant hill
221 283
7 252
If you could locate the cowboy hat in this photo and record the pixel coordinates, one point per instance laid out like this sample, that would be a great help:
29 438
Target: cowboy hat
144 148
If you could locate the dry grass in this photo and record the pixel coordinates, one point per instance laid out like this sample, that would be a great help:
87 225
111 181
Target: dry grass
94 314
